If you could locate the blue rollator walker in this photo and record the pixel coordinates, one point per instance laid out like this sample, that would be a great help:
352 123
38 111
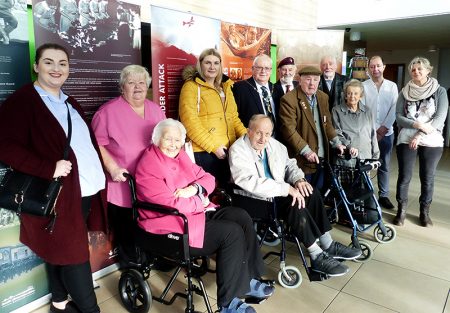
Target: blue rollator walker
354 204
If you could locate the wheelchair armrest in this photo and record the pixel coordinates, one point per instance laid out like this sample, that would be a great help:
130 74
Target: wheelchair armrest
139 205
157 208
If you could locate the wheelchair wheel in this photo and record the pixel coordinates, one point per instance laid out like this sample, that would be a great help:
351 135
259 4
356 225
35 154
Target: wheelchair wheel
292 280
366 250
135 292
271 239
391 233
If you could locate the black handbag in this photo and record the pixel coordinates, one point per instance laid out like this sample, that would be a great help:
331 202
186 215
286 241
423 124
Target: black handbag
24 193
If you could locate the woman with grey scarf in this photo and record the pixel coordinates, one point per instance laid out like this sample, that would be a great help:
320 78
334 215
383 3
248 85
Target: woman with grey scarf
421 111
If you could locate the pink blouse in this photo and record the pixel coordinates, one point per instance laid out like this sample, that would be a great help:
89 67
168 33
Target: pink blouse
121 131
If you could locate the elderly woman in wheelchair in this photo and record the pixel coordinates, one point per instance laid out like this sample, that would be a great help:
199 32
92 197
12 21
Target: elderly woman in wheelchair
166 176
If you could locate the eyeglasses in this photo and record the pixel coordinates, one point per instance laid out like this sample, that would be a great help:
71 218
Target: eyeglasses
260 68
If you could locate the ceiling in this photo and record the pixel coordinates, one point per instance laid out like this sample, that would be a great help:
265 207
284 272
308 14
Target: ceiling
412 33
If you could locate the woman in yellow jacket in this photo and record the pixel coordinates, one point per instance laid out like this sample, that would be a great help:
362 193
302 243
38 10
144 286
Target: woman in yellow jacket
208 111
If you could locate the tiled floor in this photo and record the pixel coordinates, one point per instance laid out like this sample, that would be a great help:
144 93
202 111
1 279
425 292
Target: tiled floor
411 274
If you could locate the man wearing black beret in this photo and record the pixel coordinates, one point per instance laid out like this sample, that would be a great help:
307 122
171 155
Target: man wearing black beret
286 82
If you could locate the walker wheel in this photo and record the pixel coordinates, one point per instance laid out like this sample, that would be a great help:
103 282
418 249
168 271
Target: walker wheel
135 292
292 280
271 240
391 233
366 250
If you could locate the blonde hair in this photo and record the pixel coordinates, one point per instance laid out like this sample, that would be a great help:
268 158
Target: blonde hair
420 60
203 55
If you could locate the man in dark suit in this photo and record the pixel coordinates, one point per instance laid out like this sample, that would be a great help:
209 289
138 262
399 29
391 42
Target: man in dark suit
254 95
286 82
331 83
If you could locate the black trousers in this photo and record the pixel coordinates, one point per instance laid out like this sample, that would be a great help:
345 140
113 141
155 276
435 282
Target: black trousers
307 224
230 234
122 224
74 279
217 167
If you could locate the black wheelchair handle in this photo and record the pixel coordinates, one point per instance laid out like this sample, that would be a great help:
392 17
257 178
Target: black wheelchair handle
149 206
368 166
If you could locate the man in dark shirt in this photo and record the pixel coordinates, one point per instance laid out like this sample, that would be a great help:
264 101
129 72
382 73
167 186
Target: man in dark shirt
331 83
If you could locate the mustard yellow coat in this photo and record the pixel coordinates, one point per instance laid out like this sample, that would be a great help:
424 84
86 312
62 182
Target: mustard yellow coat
214 123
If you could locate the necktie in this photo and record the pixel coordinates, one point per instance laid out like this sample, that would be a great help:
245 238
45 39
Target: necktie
267 105
288 88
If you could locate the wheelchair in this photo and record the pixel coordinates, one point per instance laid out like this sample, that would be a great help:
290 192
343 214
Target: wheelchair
272 231
152 249
352 202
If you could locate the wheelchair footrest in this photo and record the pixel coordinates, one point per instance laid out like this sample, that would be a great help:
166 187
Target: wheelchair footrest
254 300
315 276
269 282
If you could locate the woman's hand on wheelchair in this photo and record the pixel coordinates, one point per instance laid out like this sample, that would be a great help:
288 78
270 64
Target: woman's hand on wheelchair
117 174
296 197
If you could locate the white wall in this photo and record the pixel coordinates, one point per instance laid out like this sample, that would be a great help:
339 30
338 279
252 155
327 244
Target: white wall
405 56
334 12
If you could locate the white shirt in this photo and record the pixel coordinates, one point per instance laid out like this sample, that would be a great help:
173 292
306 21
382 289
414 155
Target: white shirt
381 102
90 171
284 86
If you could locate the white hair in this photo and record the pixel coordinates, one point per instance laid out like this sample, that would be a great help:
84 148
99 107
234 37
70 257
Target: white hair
262 56
133 69
162 125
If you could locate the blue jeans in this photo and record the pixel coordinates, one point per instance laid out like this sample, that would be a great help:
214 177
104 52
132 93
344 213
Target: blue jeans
385 145
428 160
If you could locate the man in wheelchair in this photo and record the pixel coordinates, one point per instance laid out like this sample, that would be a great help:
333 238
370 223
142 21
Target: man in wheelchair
261 168
165 175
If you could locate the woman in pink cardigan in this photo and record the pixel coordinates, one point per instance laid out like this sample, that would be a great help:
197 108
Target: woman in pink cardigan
165 175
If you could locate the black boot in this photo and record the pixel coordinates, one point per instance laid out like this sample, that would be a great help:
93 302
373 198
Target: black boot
424 216
401 214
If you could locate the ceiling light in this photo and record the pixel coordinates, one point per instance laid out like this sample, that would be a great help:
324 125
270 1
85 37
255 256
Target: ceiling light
432 48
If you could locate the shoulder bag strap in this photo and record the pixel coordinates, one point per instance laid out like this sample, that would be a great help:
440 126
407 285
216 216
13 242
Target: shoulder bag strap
69 132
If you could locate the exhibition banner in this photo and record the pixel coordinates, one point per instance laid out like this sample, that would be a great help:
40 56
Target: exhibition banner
178 38
102 37
240 44
14 51
22 273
